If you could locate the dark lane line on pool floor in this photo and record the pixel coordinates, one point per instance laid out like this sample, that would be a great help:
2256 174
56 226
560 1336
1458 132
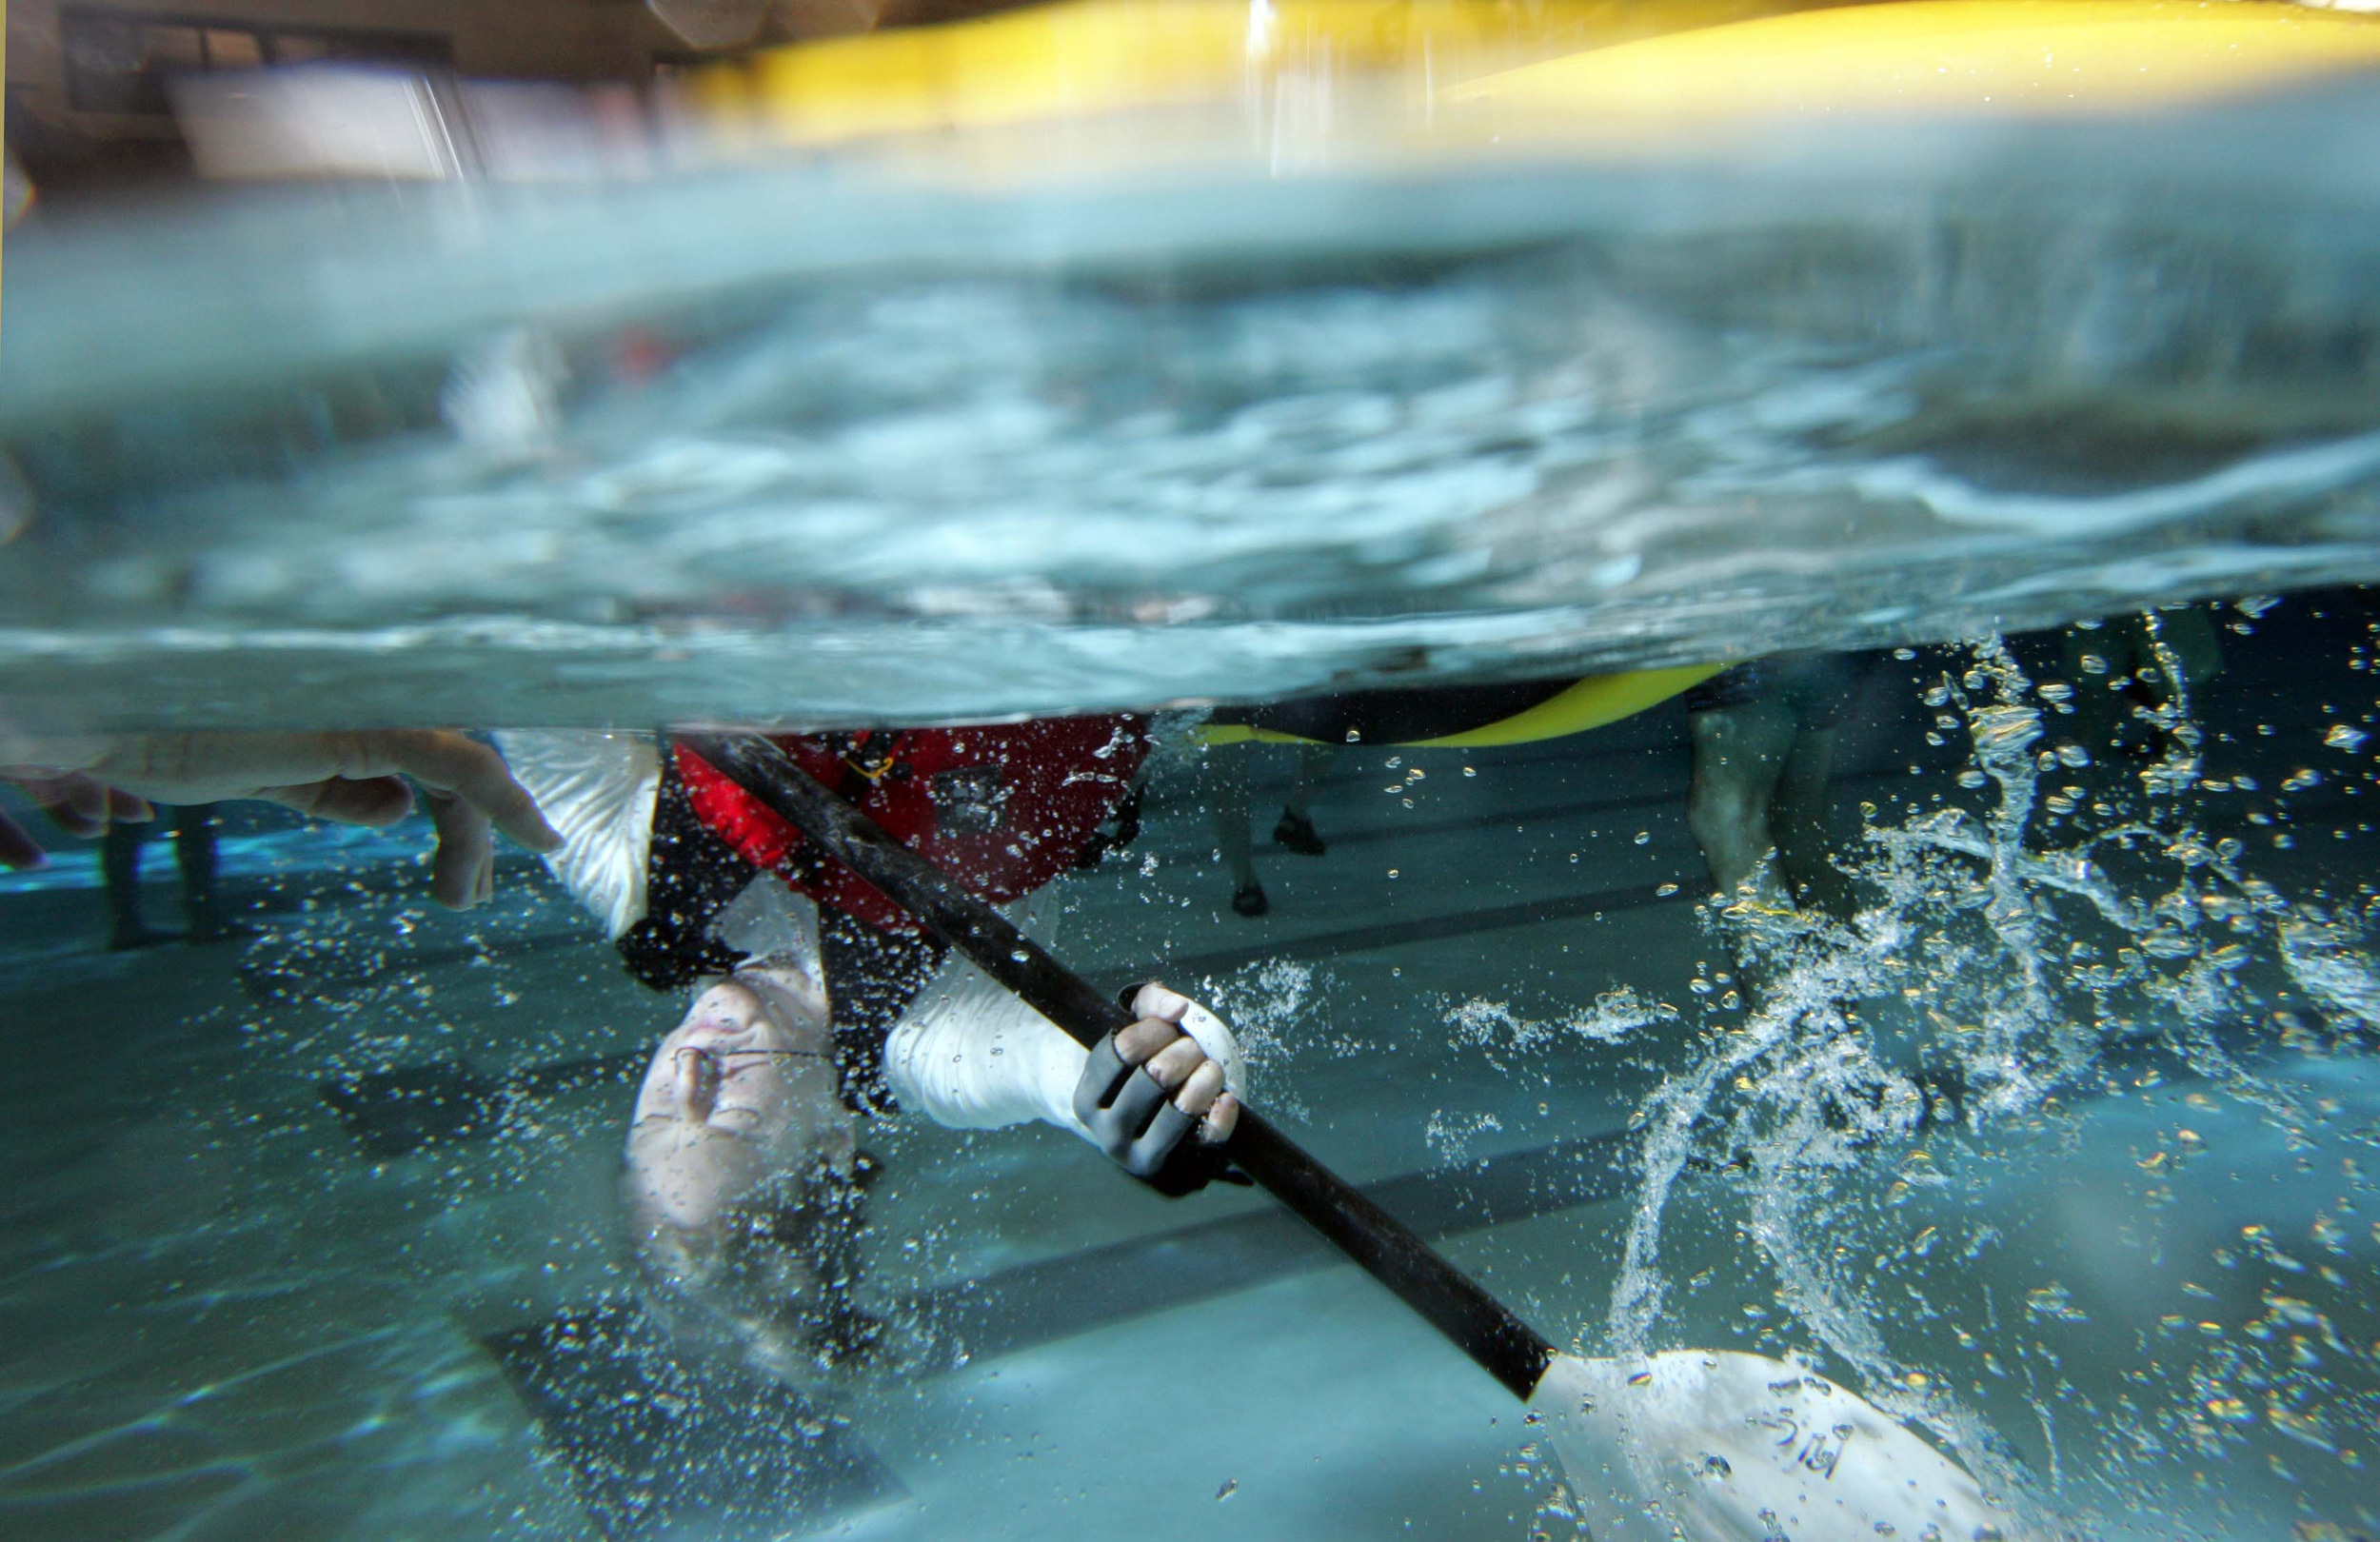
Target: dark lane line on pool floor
630 1423
1073 1293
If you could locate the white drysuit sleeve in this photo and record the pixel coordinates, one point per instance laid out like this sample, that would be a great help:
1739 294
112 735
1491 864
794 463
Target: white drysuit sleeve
598 791
971 1056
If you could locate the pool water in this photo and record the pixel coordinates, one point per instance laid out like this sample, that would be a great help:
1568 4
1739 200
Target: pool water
2147 1282
2060 1148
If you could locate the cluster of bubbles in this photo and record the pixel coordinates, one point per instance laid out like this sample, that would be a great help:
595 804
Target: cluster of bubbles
1269 1005
2013 964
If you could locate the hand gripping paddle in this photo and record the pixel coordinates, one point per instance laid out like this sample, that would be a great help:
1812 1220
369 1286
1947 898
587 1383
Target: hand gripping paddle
1732 1445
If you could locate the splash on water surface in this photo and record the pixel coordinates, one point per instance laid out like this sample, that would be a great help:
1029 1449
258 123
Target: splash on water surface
2019 972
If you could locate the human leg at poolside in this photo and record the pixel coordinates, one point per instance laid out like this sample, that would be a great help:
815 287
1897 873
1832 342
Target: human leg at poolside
1294 828
1798 819
195 855
1763 752
120 872
1740 751
1223 784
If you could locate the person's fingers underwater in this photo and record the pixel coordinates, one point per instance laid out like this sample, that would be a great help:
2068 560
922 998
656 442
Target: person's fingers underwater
74 803
1143 1091
1174 1058
357 777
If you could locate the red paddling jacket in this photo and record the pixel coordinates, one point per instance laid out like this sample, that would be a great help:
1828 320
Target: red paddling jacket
1001 809
1004 809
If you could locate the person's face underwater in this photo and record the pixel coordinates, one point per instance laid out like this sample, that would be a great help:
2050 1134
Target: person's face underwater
742 1089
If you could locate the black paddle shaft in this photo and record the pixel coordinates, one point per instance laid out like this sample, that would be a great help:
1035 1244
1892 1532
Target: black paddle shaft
1507 1347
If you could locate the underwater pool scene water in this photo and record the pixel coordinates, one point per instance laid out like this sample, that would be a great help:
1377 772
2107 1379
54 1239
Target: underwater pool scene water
1728 658
2057 1148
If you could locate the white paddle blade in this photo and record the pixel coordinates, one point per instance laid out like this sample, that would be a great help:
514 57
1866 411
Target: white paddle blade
1740 1448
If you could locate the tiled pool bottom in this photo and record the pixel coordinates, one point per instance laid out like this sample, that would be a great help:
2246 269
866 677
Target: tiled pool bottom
225 1316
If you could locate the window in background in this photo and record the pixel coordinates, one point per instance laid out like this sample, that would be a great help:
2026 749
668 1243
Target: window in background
119 64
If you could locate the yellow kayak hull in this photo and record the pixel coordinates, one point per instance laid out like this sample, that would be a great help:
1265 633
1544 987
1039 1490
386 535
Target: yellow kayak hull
1968 58
1456 74
1591 702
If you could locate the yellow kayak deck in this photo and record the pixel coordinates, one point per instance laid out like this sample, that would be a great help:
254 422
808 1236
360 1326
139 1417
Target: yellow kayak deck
1462 75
